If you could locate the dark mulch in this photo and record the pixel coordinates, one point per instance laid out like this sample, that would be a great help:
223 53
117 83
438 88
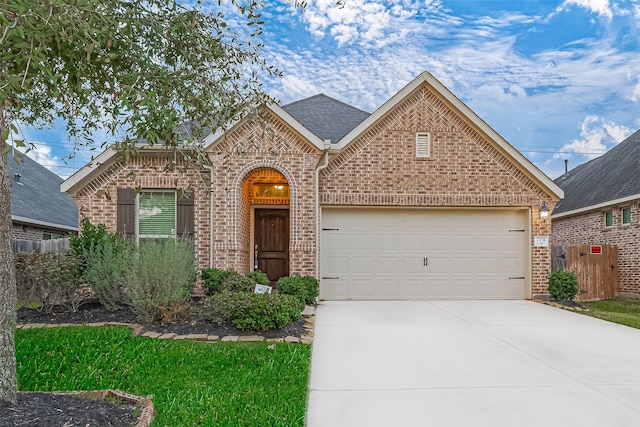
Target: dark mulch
58 410
49 410
93 312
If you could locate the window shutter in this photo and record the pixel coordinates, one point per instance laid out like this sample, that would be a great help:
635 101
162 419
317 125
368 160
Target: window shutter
185 216
126 222
157 216
423 145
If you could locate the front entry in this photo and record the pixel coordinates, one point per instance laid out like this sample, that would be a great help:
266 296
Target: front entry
271 242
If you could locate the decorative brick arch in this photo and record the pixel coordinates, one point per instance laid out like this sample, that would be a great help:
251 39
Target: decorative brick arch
236 189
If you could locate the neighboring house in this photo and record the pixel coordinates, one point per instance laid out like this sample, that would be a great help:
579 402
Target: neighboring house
421 199
601 206
39 211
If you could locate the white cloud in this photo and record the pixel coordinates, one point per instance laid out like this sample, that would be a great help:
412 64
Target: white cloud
599 7
596 134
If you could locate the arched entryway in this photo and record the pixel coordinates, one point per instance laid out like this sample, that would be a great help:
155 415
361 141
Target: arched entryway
266 198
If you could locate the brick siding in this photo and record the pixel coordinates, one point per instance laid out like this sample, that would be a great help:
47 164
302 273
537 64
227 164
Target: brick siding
588 229
378 169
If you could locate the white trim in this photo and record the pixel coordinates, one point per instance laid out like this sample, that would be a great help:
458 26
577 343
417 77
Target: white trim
597 207
26 220
429 79
72 184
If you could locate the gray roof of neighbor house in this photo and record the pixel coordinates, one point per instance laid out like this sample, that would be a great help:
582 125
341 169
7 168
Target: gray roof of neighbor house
325 117
612 176
36 197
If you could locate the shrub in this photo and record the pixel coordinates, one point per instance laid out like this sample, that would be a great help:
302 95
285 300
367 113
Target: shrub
49 279
305 288
106 269
162 274
259 277
258 312
563 285
212 279
236 282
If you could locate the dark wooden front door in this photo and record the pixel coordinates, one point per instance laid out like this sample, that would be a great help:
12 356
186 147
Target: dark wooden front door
271 247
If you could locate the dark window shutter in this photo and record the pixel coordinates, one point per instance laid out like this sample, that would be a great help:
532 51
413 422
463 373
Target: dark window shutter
184 220
126 212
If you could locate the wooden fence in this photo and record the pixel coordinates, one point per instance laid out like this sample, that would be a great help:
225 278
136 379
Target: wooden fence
597 273
53 245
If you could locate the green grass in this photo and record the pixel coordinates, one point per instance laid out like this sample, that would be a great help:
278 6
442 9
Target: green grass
192 383
625 311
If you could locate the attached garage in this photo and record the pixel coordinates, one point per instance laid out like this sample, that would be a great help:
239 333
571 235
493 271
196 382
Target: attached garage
419 253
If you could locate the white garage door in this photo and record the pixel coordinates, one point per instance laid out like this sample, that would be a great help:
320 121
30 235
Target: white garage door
378 253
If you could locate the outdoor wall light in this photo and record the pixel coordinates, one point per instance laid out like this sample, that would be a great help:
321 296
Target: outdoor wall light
544 212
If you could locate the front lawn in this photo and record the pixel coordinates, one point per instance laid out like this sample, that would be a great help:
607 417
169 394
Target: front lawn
192 383
625 311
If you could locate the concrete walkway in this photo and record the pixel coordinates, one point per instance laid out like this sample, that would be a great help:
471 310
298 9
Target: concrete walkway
470 363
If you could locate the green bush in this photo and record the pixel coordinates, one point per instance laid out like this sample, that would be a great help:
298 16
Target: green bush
162 274
48 280
212 279
258 312
259 277
106 269
236 282
90 237
305 288
563 285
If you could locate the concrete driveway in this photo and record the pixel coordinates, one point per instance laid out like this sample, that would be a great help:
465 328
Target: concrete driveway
470 363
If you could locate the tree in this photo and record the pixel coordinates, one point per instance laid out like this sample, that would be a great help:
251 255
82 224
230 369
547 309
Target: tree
137 69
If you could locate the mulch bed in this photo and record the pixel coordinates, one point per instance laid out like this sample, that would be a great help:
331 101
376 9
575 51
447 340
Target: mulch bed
34 409
53 410
93 312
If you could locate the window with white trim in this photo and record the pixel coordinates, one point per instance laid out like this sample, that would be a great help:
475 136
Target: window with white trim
626 215
608 219
423 145
157 215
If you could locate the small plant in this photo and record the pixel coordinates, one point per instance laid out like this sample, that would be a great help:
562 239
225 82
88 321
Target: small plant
259 277
236 282
258 312
90 237
175 312
106 269
162 274
305 288
563 285
212 279
48 280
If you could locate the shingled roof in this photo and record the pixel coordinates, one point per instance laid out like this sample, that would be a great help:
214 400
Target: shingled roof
612 176
36 197
326 117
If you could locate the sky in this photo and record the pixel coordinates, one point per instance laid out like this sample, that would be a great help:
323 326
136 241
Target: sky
558 79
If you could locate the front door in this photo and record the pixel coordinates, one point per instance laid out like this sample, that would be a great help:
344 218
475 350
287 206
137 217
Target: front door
271 247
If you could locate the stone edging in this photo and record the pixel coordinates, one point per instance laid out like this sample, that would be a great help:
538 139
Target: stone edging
138 330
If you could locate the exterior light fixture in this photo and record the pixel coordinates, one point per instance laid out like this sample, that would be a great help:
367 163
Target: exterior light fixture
544 212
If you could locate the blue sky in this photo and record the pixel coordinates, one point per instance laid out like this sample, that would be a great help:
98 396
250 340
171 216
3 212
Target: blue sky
557 79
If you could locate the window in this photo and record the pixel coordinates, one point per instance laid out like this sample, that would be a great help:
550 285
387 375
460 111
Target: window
608 218
157 214
626 215
423 144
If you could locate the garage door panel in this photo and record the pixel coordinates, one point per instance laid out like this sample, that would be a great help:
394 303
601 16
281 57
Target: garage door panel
379 253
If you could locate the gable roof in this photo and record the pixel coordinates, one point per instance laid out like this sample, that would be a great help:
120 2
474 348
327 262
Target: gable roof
507 149
320 118
36 197
609 179
326 117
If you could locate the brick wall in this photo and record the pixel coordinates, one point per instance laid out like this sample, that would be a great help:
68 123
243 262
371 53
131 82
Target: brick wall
588 229
25 232
464 169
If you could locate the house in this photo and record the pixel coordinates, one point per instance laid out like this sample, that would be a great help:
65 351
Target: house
39 211
601 207
420 199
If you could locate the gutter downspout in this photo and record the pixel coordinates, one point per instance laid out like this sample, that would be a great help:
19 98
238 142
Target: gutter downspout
327 146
